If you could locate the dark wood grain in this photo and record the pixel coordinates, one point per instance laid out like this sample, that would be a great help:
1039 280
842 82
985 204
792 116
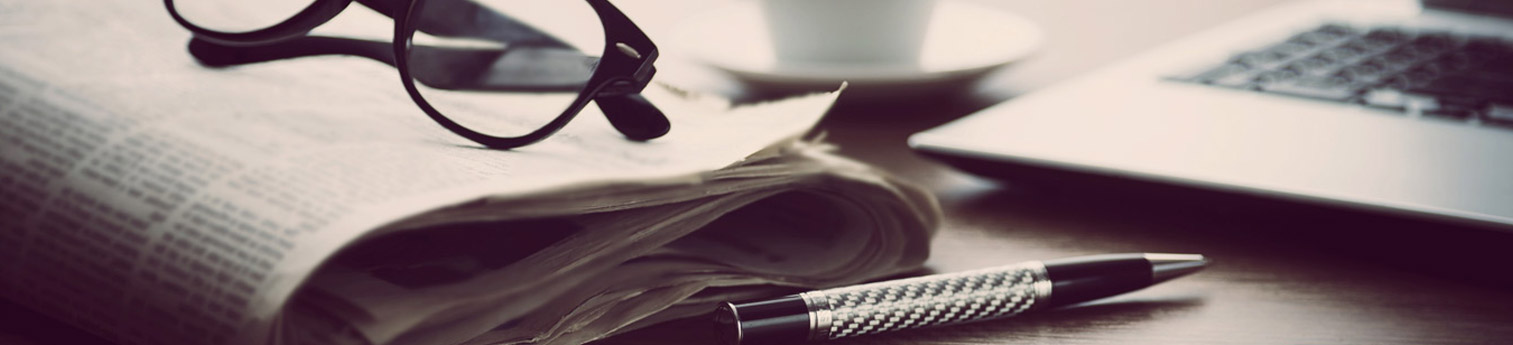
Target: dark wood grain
1282 273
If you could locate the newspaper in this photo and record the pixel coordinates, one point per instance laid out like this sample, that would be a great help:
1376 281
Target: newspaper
150 200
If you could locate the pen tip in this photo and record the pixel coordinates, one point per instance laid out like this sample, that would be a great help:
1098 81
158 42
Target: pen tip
1166 267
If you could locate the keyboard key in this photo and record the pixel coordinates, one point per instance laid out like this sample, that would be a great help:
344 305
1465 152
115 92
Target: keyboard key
1462 95
1407 56
1413 78
1313 65
1334 88
1385 98
1277 76
1392 93
1385 37
1263 59
1231 75
1432 42
1379 41
1326 34
1419 103
1458 108
1449 63
1218 72
1290 49
1338 29
1467 86
1344 53
1368 72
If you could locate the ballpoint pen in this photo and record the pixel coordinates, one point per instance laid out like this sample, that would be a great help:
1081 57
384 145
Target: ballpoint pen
945 299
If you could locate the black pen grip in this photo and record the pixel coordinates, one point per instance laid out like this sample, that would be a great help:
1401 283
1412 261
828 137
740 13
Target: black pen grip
945 299
887 306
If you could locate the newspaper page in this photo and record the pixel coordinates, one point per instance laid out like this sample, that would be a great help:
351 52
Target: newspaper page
801 219
154 201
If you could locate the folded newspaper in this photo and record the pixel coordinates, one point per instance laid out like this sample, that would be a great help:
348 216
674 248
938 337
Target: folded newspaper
150 200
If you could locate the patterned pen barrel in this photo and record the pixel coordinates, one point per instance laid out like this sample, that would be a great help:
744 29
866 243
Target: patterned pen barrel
945 299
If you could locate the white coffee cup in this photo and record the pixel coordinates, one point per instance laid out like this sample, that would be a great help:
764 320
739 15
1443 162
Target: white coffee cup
871 32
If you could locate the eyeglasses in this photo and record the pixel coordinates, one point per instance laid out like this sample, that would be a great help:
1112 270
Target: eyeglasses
502 82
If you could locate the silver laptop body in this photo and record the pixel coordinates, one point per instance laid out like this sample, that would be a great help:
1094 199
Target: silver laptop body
1146 119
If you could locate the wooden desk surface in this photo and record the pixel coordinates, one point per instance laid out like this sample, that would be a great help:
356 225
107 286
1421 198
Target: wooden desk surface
1282 274
1271 281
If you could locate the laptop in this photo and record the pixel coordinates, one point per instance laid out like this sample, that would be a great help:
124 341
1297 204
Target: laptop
1403 107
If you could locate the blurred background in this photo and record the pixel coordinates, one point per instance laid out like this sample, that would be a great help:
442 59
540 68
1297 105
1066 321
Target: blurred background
1079 36
1283 273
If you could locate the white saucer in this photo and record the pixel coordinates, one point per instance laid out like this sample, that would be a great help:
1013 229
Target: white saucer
964 40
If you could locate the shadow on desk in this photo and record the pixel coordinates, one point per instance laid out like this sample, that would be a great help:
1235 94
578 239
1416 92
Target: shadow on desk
1051 326
1038 326
877 132
1464 252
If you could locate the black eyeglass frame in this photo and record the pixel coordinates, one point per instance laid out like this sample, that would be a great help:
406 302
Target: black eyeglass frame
624 69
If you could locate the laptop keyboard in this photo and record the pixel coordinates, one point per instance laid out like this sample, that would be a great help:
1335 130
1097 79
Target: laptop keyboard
1453 76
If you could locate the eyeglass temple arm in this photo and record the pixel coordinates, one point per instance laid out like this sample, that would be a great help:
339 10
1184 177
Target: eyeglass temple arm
319 12
621 100
623 37
219 55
